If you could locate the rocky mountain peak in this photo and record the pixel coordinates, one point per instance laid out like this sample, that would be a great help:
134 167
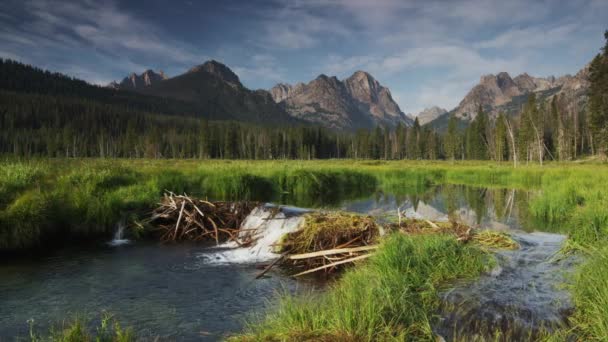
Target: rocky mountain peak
280 92
525 82
138 82
430 114
358 101
363 86
219 70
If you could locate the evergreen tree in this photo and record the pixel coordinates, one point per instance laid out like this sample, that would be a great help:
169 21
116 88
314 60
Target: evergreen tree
452 140
598 100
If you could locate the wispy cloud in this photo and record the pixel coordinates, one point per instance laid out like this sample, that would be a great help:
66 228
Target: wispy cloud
56 33
296 25
261 67
530 37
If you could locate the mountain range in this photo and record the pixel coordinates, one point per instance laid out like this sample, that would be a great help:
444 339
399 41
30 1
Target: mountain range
501 93
359 101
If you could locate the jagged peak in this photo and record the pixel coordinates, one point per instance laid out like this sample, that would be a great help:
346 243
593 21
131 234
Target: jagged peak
361 74
218 69
283 85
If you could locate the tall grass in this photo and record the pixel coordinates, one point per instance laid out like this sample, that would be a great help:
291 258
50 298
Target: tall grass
390 297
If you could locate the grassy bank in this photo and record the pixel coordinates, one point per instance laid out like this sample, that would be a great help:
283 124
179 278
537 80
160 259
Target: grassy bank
390 297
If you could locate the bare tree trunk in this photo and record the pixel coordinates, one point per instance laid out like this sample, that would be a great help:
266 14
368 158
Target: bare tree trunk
539 142
510 129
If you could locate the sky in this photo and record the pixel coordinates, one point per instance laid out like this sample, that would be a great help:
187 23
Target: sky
426 52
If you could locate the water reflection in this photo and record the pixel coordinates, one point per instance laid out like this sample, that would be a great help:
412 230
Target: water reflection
498 209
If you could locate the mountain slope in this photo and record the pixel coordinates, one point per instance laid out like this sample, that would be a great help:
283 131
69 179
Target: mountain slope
430 114
218 92
360 101
374 99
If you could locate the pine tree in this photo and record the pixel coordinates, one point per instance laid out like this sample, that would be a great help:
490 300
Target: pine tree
598 100
452 139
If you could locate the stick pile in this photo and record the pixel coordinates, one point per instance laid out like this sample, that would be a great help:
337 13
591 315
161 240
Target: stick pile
179 218
328 241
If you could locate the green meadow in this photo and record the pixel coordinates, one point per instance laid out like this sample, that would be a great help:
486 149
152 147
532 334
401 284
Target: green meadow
46 201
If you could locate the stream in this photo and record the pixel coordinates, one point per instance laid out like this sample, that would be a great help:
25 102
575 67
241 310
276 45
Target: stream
192 292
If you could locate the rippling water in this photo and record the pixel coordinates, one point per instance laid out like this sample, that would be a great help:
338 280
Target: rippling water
159 290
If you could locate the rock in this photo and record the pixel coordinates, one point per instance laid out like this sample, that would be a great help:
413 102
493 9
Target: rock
138 82
430 114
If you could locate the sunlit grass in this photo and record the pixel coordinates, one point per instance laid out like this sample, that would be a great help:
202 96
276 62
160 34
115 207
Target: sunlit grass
391 297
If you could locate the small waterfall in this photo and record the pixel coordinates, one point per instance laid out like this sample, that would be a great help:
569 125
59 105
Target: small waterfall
268 223
119 235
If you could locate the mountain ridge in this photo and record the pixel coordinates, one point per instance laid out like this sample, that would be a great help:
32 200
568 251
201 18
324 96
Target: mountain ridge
501 93
356 102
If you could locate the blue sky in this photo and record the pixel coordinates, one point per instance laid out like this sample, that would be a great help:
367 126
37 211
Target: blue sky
426 52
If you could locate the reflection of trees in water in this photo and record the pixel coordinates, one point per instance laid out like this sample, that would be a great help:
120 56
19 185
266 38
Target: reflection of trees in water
486 203
451 198
476 200
475 205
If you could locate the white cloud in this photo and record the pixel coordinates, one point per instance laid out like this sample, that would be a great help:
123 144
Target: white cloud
530 37
261 67
294 25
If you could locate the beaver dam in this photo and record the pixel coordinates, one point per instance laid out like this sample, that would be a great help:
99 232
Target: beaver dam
233 257
299 240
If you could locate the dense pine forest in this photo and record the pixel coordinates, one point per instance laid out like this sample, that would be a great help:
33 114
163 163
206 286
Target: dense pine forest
49 114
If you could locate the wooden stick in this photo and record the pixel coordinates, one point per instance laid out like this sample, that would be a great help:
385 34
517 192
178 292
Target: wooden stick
331 251
267 268
348 243
360 257
179 219
432 224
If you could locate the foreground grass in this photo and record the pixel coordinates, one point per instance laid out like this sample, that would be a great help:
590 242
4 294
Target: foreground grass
390 297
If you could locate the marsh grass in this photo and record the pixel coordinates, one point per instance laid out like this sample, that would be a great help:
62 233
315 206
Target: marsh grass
391 297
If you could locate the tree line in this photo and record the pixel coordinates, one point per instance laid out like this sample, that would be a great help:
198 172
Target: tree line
46 114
